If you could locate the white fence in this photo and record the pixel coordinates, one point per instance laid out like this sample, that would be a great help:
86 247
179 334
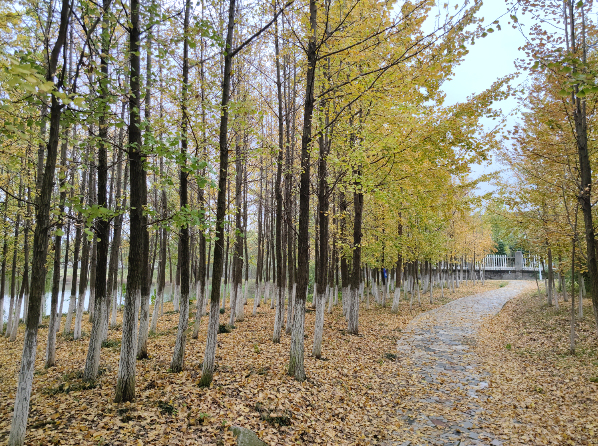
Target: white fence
495 262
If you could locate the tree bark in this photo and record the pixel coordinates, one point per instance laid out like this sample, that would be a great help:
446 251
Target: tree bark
146 285
210 352
296 363
237 306
280 285
585 192
40 249
3 273
92 362
322 265
178 356
125 385
13 272
353 310
51 343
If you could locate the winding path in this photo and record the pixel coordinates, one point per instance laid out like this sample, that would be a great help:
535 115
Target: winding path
438 398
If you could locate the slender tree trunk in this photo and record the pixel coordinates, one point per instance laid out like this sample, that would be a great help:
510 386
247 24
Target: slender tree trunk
51 343
550 278
40 249
112 289
296 365
353 310
178 357
572 327
84 258
24 292
161 285
146 285
92 362
585 191
82 287
202 268
125 385
210 352
280 285
73 296
260 243
237 306
64 275
3 273
323 208
13 273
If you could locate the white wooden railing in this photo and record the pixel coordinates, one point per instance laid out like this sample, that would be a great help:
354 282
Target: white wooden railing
495 262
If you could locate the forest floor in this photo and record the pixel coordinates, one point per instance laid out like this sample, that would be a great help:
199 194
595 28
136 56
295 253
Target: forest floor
350 397
541 394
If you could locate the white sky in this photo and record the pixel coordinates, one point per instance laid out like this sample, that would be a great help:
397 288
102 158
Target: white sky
489 59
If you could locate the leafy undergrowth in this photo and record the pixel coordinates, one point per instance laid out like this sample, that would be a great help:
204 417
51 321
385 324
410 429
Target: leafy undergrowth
541 394
350 396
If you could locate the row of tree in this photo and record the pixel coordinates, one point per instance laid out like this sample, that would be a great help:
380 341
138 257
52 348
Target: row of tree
549 207
264 140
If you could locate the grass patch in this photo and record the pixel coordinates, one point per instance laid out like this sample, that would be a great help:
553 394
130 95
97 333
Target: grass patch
166 408
225 328
72 382
71 336
111 343
195 419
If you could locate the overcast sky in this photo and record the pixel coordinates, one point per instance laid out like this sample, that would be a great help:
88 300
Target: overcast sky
490 58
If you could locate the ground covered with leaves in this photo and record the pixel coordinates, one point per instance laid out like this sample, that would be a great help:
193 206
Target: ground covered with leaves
350 397
540 393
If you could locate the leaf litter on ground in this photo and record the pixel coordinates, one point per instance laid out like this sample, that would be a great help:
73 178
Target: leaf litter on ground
350 397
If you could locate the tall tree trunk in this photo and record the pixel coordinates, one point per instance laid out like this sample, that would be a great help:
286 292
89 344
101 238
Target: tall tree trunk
210 352
68 230
280 286
24 292
146 285
82 286
236 310
201 271
40 249
3 273
125 385
572 322
260 248
84 253
162 262
13 272
296 366
353 310
51 343
323 208
342 202
550 278
585 192
178 356
112 288
92 362
73 296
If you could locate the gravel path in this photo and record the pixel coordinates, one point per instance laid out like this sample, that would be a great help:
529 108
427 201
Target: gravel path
439 398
